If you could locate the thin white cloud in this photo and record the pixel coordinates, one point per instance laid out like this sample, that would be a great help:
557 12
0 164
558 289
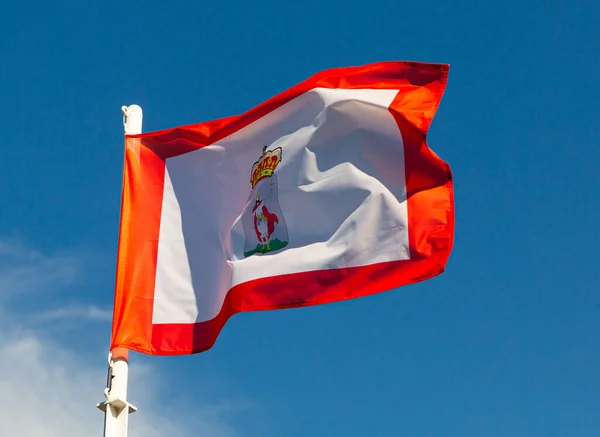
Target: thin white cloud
48 389
88 312
24 270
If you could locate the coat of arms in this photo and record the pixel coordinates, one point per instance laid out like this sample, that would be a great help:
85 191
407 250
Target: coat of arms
264 225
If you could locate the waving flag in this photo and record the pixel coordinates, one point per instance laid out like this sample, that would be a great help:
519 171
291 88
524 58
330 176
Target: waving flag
326 192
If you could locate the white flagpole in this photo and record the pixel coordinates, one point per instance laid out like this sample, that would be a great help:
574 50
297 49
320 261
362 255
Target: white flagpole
116 408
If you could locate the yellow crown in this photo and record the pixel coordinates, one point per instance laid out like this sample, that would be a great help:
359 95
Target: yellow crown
266 165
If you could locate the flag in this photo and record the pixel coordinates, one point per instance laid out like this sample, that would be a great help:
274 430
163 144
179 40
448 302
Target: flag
323 193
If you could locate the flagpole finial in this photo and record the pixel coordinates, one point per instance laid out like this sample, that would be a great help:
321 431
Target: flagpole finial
132 119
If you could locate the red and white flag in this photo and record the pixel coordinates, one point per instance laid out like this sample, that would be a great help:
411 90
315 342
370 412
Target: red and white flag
326 192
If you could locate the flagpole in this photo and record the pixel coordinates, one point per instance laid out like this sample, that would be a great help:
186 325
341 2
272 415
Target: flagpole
116 408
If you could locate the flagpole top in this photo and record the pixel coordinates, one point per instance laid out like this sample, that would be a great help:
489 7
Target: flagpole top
132 119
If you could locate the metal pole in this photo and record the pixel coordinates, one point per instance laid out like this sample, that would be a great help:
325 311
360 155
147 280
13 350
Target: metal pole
116 408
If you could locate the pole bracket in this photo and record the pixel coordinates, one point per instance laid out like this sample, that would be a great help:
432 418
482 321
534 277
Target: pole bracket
117 405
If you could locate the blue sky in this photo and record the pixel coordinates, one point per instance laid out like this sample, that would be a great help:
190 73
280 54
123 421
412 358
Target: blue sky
505 343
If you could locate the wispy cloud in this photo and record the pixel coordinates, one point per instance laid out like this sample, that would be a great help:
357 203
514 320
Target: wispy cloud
88 312
50 389
24 270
